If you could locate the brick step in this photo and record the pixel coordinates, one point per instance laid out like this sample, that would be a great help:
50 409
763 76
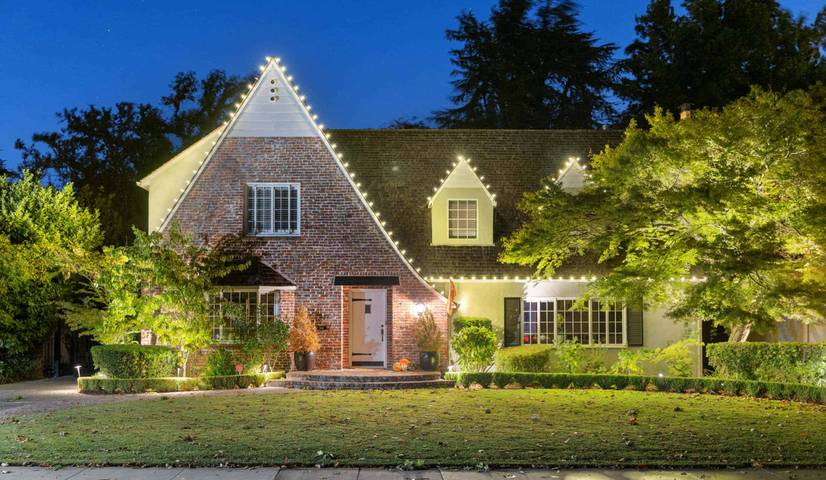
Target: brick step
371 378
360 385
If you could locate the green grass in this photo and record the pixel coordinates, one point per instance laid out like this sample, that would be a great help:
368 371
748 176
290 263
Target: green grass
423 428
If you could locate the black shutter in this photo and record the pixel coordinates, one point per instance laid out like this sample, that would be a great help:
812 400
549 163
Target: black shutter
634 331
513 313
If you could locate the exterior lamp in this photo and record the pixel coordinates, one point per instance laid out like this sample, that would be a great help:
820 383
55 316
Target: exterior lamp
419 308
78 367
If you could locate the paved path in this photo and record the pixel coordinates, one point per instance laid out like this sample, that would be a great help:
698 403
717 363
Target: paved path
73 473
58 393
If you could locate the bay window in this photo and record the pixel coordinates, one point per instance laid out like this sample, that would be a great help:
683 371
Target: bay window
257 304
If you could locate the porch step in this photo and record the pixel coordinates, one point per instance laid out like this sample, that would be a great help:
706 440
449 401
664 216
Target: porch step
372 376
360 385
361 379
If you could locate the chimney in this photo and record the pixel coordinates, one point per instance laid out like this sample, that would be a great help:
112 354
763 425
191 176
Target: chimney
685 111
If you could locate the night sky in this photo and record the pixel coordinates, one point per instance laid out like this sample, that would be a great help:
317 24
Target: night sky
360 63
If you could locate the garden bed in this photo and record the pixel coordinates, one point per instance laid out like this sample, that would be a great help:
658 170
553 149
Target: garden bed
774 391
106 385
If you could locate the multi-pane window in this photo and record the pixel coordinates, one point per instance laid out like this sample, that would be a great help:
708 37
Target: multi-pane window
546 319
255 305
273 209
461 219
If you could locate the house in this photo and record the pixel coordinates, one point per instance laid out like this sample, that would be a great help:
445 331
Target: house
367 228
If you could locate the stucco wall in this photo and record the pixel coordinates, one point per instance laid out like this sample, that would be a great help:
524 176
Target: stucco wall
438 216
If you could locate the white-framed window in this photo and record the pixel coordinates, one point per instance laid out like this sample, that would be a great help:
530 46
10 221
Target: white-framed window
462 219
600 323
273 209
263 304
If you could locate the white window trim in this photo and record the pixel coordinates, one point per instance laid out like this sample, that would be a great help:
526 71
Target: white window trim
590 344
447 205
297 231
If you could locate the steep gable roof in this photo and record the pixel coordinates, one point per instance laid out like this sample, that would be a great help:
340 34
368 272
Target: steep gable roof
400 167
462 176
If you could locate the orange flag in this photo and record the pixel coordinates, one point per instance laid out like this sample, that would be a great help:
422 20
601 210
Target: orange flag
451 296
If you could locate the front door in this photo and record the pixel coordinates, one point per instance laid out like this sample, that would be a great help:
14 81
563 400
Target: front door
368 315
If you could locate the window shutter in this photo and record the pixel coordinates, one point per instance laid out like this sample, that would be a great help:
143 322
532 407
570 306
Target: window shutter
634 330
513 313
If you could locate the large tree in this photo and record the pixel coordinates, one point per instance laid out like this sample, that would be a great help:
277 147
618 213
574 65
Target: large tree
734 197
45 237
716 51
529 66
103 151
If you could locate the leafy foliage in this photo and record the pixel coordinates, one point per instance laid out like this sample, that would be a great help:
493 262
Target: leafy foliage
135 361
158 283
220 362
103 151
674 360
45 237
461 322
475 346
714 52
303 333
529 66
261 339
428 334
736 196
770 362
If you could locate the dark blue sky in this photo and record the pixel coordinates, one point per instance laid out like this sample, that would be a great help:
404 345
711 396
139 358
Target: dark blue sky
361 63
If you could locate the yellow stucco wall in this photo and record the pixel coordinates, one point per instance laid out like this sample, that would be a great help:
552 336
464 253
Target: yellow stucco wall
438 216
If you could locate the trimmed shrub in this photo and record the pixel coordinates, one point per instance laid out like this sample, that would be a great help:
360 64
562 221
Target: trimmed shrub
107 385
461 322
135 361
770 362
526 358
776 391
568 357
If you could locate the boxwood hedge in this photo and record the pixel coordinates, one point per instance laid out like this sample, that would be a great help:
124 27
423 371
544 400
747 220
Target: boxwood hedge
135 361
772 390
100 384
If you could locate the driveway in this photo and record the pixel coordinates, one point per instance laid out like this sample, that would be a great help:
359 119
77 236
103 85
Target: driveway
58 393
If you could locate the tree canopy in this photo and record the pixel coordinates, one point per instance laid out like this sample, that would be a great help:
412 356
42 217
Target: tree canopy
716 51
529 66
103 151
45 238
735 197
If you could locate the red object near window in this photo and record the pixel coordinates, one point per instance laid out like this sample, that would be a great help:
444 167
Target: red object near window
239 367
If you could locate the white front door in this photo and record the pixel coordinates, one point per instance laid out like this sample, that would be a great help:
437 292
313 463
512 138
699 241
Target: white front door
368 315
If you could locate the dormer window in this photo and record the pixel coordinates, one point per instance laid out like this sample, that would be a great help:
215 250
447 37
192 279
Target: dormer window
273 209
462 218
461 208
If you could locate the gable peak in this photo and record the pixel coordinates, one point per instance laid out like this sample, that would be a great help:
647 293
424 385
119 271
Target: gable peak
462 168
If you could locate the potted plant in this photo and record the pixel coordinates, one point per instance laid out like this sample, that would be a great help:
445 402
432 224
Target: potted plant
303 340
429 341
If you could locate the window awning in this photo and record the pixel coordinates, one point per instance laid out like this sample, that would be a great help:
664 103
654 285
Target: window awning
256 274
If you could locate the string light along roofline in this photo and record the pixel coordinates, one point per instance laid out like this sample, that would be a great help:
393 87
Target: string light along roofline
274 64
461 160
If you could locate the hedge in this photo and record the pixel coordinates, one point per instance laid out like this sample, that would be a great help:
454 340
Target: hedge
100 384
771 390
461 322
132 361
770 362
526 358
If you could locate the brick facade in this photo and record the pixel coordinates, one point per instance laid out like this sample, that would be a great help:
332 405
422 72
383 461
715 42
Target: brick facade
338 238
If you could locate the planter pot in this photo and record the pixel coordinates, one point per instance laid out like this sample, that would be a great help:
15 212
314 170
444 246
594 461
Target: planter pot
429 361
304 361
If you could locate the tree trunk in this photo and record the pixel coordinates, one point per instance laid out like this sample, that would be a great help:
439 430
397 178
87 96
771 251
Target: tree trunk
740 333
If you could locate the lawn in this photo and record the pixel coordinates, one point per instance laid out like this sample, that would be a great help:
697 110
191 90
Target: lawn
419 428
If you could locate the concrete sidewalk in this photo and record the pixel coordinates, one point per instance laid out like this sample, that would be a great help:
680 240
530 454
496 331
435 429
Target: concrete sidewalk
118 473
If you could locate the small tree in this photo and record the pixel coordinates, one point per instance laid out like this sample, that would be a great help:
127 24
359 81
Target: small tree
428 335
159 283
303 334
736 196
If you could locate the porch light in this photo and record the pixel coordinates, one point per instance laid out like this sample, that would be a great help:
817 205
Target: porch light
419 308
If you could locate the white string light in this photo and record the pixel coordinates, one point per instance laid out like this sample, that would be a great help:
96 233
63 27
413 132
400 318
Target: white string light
460 160
326 137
